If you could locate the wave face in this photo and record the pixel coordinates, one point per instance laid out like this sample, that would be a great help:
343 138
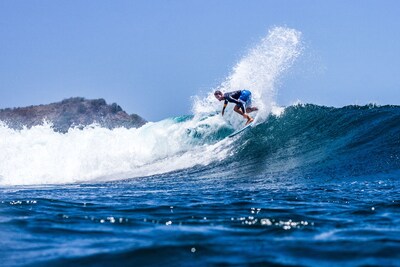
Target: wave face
303 141
315 141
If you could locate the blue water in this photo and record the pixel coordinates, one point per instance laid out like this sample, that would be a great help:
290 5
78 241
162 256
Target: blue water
316 186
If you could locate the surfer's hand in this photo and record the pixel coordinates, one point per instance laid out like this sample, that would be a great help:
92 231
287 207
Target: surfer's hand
223 111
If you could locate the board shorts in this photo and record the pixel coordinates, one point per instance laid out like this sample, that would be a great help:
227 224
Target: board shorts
245 99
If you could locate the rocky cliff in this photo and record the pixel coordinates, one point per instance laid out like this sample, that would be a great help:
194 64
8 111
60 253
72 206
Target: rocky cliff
75 111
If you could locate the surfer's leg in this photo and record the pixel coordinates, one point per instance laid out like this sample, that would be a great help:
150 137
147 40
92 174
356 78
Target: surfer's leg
247 117
246 100
248 105
238 110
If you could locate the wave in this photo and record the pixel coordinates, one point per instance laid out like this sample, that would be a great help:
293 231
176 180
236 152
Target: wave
297 141
305 140
40 155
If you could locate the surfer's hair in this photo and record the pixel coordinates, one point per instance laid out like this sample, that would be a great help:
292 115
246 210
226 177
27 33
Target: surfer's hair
217 92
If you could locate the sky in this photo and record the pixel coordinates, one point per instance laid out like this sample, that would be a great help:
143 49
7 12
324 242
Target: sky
151 57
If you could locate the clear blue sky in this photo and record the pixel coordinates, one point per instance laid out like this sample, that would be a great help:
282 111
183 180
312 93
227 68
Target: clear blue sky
152 56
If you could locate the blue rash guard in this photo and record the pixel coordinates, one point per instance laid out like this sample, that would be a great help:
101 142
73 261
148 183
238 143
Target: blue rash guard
241 98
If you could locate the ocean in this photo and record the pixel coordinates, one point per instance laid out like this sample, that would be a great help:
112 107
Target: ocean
308 185
312 186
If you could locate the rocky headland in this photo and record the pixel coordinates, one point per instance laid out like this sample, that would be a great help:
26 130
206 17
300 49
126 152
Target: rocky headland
71 112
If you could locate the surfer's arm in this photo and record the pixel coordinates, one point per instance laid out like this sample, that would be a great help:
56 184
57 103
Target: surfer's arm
223 109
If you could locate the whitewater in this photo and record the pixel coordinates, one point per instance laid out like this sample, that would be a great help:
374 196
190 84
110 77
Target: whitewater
39 155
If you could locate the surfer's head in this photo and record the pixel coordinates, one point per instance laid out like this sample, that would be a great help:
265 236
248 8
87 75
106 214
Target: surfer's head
219 95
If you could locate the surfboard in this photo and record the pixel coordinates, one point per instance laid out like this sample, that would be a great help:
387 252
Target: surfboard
241 130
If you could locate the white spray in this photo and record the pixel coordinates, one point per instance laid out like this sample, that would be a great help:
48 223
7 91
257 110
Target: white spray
259 71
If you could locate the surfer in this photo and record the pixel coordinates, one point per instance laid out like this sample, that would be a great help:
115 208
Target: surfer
242 99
